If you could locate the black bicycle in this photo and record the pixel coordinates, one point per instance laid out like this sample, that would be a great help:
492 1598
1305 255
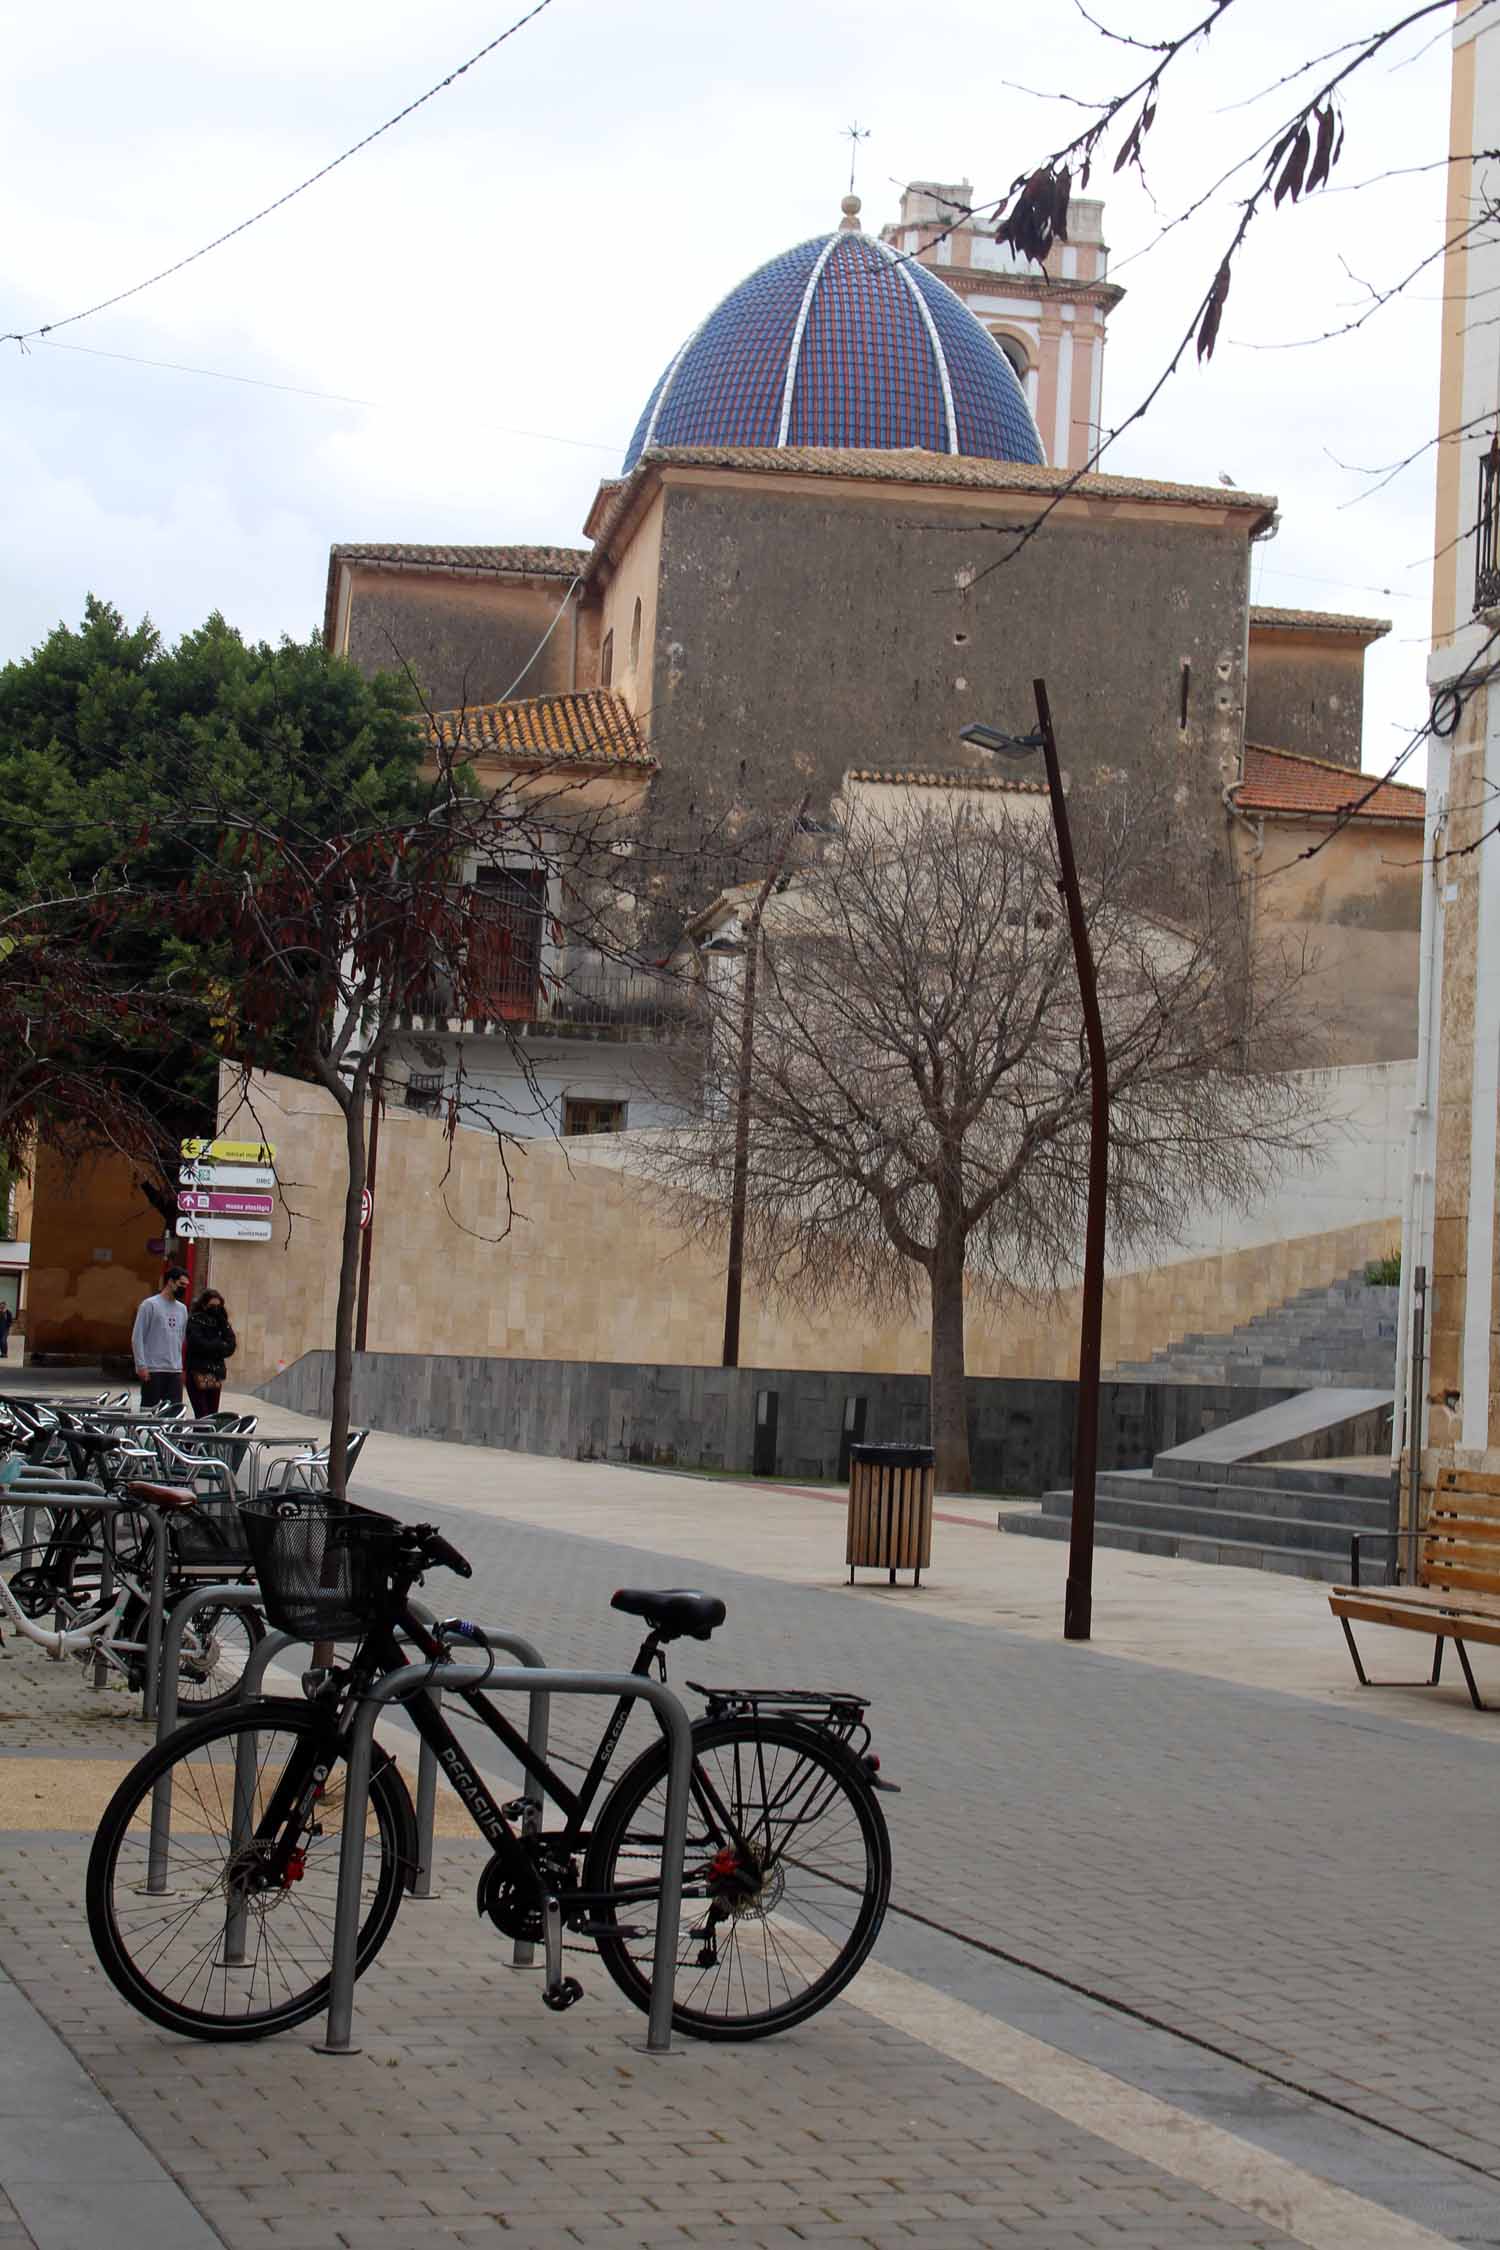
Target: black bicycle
788 1864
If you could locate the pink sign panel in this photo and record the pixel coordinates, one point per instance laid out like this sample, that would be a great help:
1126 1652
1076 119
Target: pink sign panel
220 1204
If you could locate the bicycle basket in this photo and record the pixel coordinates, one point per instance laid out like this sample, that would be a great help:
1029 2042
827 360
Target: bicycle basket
210 1534
327 1570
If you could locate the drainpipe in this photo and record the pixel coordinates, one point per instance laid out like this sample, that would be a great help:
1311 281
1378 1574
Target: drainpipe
1416 1223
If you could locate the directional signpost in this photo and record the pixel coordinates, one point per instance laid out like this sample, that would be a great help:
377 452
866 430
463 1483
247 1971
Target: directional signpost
224 1230
224 1191
227 1175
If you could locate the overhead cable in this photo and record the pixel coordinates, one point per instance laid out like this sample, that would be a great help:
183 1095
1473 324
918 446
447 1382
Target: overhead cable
47 328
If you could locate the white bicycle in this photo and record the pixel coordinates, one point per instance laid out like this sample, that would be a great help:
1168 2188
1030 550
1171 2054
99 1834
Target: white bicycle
85 1548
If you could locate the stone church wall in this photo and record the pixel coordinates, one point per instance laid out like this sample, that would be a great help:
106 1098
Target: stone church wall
806 627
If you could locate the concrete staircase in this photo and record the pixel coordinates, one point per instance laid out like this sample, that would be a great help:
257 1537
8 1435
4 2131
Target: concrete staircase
1271 1492
1342 1335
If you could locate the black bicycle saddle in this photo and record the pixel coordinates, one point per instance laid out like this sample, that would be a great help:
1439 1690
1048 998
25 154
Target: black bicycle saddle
672 1613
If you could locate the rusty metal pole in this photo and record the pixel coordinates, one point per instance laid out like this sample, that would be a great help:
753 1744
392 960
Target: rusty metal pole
1078 1601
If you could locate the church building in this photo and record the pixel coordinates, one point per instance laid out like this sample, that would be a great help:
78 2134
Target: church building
855 515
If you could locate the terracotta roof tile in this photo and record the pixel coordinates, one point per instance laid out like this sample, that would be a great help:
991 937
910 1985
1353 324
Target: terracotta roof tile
530 562
1318 621
1284 781
912 466
596 729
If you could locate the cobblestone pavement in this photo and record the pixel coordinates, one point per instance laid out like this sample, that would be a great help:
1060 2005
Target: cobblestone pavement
1236 1864
472 2116
1228 1862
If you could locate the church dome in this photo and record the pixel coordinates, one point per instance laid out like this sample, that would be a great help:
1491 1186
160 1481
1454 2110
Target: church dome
842 342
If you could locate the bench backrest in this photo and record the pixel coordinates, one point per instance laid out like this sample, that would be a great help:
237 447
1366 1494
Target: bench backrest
1461 1537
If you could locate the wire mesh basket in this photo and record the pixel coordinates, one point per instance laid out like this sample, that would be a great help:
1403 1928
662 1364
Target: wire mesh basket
328 1571
211 1535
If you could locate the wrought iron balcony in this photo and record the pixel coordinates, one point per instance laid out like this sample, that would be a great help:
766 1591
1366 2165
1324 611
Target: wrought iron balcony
578 995
1487 532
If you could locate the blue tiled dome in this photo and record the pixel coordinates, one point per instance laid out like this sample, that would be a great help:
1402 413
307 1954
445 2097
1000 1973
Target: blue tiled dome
842 342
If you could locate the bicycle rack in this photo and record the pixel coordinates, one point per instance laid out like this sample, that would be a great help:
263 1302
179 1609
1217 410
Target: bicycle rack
240 1596
413 1679
73 1492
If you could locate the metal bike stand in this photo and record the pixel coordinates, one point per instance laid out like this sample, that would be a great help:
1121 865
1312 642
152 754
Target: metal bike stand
71 1492
239 1596
413 1679
155 1612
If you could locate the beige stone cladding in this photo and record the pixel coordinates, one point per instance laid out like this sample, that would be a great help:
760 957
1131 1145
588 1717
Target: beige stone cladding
1454 1031
1348 901
584 1267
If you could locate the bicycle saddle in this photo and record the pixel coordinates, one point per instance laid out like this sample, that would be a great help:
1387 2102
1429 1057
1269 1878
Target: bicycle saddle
676 1611
164 1495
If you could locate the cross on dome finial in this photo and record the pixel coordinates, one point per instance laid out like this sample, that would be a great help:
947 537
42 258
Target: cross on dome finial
854 134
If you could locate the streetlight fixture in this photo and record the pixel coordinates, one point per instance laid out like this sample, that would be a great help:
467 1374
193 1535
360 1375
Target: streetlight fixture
1078 1601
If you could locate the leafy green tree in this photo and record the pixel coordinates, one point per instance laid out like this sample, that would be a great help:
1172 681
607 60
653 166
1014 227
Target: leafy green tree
107 737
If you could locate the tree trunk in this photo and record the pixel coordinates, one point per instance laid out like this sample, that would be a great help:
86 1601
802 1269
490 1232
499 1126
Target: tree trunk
949 1405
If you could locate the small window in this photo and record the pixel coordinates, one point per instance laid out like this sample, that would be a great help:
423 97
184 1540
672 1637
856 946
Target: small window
424 1092
592 1117
607 659
635 634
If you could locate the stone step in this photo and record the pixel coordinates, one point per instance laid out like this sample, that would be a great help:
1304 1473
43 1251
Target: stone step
1374 1484
1368 1511
1203 1515
1243 1554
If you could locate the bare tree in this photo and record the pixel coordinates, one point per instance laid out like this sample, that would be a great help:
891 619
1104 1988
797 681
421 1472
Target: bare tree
334 938
919 1098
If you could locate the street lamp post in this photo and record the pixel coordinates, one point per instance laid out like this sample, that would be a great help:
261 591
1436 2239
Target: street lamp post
1078 1601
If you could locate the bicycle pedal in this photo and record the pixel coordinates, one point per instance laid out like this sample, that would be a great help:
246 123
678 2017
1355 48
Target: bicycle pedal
565 1994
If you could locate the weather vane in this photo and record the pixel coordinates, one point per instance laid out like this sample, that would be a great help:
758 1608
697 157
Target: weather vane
854 134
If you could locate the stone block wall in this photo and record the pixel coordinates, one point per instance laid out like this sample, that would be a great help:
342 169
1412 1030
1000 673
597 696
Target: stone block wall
1020 1432
579 1264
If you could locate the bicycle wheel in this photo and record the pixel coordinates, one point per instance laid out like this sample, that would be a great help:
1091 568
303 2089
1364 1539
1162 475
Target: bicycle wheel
215 1650
240 1943
785 1882
14 1553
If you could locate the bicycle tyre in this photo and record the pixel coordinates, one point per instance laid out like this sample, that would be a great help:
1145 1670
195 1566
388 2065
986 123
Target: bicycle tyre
126 1923
12 1528
199 1694
747 1763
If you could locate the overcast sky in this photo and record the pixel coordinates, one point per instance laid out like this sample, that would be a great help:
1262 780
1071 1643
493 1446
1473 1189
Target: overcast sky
501 278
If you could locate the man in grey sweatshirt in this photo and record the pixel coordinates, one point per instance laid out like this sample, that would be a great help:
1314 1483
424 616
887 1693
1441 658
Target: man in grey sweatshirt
156 1341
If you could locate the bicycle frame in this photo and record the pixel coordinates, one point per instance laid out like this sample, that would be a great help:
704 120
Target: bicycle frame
383 1653
73 1640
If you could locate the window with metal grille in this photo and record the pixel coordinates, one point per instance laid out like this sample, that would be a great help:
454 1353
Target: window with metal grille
1487 532
592 1116
506 905
424 1091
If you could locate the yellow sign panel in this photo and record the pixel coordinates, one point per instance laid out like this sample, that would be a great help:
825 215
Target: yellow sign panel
229 1152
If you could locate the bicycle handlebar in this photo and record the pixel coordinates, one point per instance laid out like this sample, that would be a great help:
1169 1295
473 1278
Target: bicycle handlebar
437 1550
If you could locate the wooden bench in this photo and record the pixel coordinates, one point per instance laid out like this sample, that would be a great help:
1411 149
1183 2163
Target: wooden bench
1457 1594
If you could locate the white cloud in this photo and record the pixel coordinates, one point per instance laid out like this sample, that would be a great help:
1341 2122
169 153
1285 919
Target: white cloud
525 253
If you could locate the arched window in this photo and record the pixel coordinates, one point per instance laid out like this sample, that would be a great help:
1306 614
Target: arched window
635 634
607 659
1016 352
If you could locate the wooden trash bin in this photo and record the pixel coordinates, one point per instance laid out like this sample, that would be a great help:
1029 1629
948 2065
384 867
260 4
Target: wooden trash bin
890 1509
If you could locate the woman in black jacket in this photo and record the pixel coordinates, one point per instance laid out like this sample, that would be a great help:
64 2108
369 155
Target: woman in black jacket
209 1343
